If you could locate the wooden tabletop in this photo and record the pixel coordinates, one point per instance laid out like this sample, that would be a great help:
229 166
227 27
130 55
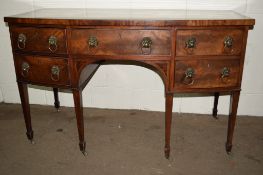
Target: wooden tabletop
135 17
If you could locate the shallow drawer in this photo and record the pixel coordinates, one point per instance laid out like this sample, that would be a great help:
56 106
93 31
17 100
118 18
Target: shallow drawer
207 73
46 40
42 70
209 42
120 42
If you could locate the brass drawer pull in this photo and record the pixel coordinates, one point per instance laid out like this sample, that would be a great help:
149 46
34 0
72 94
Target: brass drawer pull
52 43
146 44
189 76
25 68
21 41
93 42
228 42
225 72
190 45
55 73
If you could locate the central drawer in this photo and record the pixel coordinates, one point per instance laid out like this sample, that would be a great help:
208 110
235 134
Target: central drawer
120 42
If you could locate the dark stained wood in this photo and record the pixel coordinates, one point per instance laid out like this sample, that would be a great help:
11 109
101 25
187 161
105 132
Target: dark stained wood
120 42
37 39
23 91
209 42
119 34
168 122
207 74
216 96
39 70
56 99
232 119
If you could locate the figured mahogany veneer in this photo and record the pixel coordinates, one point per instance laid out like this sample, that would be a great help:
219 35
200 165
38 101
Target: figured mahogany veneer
37 39
40 70
207 74
192 51
120 41
209 41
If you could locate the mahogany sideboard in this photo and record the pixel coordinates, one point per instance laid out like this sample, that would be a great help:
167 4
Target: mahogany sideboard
192 51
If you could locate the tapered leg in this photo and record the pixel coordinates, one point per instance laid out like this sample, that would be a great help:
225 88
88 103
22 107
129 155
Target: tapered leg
23 91
215 105
168 121
77 95
232 119
56 103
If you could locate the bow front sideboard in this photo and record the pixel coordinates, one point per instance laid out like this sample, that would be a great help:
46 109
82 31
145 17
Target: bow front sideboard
192 51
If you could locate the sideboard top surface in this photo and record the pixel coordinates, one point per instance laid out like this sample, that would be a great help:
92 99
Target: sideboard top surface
131 17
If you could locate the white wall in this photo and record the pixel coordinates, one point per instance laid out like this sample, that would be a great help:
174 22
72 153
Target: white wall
133 87
1 96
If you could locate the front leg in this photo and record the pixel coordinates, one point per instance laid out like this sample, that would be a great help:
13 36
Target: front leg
232 119
168 122
23 91
77 95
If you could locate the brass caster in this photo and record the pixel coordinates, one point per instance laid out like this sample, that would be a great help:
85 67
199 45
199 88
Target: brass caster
228 148
32 142
58 109
215 117
167 153
84 153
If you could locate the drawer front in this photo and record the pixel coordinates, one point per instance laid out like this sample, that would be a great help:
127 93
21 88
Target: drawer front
42 70
120 42
46 40
209 42
207 73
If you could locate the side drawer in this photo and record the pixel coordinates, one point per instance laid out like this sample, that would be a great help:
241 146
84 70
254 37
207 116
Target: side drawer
209 42
45 40
42 70
206 74
120 42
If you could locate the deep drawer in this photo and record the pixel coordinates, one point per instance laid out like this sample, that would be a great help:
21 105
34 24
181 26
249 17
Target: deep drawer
206 74
209 42
120 42
45 40
42 70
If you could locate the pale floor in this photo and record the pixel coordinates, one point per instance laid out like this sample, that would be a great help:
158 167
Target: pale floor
126 142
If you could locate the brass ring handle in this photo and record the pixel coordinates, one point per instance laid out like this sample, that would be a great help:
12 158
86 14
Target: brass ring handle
93 42
228 42
189 76
25 68
146 44
190 43
225 72
55 73
52 43
21 41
